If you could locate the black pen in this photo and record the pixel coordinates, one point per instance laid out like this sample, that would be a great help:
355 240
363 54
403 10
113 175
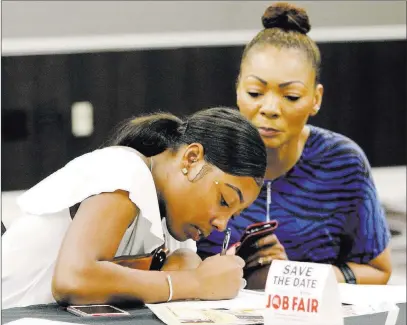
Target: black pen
226 241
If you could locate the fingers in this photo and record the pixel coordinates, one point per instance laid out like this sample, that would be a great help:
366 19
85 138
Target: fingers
269 251
266 260
243 283
240 261
232 249
261 261
269 248
269 240
237 259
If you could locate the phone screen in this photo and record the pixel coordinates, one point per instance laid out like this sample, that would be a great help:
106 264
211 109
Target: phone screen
103 309
261 227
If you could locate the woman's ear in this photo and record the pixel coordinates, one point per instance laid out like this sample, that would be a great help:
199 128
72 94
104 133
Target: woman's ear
194 166
193 154
319 92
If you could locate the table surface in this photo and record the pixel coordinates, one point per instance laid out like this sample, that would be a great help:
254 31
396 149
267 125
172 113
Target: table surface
143 316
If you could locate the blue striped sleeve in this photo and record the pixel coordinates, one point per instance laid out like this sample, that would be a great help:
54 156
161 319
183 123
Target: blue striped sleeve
371 233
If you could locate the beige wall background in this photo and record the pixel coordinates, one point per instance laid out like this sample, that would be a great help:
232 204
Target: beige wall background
26 19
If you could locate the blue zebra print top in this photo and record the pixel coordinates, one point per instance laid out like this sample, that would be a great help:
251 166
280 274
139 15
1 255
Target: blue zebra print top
326 205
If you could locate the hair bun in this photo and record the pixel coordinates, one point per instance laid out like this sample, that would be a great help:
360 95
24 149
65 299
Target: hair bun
287 17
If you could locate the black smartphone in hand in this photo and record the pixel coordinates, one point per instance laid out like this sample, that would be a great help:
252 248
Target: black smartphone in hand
252 234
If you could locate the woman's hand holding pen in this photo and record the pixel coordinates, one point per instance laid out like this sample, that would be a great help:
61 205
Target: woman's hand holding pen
266 250
220 277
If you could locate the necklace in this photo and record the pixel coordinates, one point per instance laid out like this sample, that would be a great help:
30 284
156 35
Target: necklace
268 201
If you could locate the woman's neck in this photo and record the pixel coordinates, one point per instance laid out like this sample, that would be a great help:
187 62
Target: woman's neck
281 160
160 171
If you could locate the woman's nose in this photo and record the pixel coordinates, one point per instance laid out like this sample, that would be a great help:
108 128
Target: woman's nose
270 107
220 223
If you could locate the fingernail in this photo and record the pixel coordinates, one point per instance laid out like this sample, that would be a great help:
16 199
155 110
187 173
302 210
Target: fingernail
237 244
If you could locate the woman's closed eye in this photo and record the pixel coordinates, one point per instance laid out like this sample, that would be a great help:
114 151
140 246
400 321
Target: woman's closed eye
292 98
253 94
223 202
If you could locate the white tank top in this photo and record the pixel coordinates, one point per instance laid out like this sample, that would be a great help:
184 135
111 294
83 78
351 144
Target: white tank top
31 245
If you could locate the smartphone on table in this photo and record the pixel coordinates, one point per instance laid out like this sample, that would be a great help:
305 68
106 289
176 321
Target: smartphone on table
252 234
96 311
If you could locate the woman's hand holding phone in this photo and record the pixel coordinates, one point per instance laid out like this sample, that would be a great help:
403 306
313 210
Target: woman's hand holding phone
267 249
260 246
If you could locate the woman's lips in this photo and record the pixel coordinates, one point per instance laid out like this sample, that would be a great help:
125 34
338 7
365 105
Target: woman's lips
268 132
195 233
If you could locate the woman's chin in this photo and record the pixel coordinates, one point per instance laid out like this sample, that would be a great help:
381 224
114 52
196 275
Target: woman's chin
177 235
181 238
271 143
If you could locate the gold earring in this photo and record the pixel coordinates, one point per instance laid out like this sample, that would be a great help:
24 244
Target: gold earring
216 182
184 171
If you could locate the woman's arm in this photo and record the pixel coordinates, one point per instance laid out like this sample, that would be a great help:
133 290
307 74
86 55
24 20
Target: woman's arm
182 259
369 257
377 271
83 273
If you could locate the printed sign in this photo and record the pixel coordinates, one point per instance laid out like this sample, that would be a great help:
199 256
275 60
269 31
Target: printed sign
302 293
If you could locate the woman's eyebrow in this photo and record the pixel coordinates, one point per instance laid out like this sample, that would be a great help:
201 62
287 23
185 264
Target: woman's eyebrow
264 82
282 85
238 191
286 84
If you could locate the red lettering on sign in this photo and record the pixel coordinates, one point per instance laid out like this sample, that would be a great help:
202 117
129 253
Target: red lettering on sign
314 306
298 304
276 302
295 303
301 305
285 303
268 305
